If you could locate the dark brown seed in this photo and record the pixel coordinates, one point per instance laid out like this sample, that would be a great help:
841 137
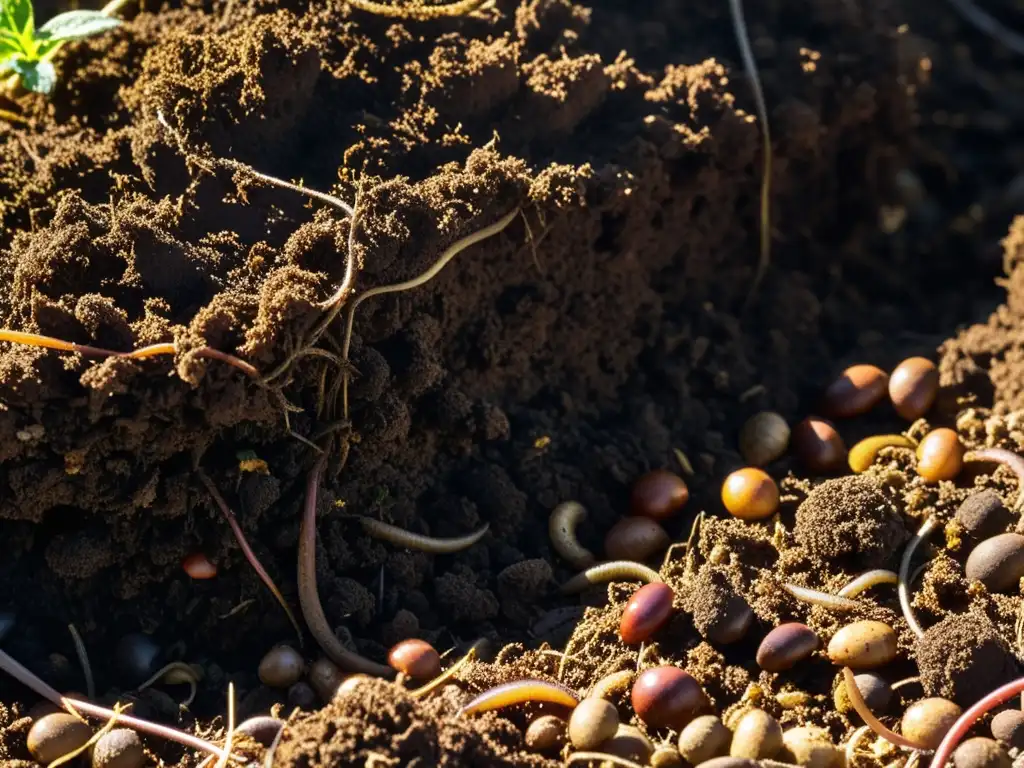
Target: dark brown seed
818 446
998 562
1008 727
913 386
983 514
635 538
785 646
120 748
667 697
874 689
281 667
302 695
704 738
758 736
415 658
647 611
659 495
262 728
546 734
980 752
926 721
56 735
857 390
325 677
940 455
763 438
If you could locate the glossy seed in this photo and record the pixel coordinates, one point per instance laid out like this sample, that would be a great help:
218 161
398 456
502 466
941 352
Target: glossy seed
119 748
998 562
764 438
785 646
325 677
874 689
546 734
667 697
913 386
940 455
818 446
262 728
864 453
198 566
593 721
980 752
811 747
281 667
863 645
415 658
1008 727
926 721
704 738
750 494
138 657
647 611
758 736
636 539
983 514
56 735
659 495
629 743
857 390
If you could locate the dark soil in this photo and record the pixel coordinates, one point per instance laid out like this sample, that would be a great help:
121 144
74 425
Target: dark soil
560 359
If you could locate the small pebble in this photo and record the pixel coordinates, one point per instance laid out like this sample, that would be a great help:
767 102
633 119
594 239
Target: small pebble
325 677
415 658
667 697
857 390
659 495
262 728
863 645
302 695
704 738
980 752
913 385
997 562
750 494
119 748
138 658
665 756
926 721
635 538
546 734
646 611
818 446
758 736
629 743
56 735
940 455
764 438
810 746
785 646
874 689
199 567
593 721
1008 727
281 667
983 514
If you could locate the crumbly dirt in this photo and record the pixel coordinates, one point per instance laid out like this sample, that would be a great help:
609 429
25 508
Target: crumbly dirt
604 327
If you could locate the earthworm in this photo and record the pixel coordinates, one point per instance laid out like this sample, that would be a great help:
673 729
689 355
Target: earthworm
867 580
403 538
967 720
825 600
862 708
903 589
616 570
562 530
309 597
611 684
1003 456
83 659
864 453
521 692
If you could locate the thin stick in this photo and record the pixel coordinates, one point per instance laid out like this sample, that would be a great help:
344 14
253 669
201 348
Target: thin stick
449 253
903 588
230 738
248 552
750 64
83 660
970 717
990 25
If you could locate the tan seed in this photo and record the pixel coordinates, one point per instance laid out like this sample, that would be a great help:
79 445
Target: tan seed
666 757
926 721
980 752
281 667
546 734
120 748
997 562
56 735
704 738
758 736
629 743
764 438
863 645
592 722
810 746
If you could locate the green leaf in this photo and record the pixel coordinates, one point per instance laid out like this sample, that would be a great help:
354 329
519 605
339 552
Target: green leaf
37 76
9 42
74 25
18 17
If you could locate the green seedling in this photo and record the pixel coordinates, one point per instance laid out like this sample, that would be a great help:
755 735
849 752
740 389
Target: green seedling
26 53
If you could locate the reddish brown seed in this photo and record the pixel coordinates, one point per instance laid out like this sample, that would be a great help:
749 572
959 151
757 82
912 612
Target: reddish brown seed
416 659
913 386
785 646
857 390
635 538
750 494
940 455
667 697
646 612
198 566
658 495
818 445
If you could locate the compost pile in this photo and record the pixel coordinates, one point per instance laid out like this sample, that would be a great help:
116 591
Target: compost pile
604 328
